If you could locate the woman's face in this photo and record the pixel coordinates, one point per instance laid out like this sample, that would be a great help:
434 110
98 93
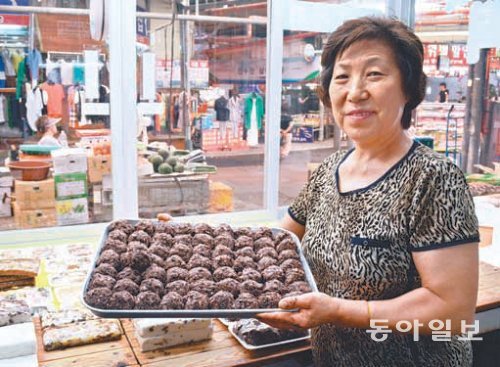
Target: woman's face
366 92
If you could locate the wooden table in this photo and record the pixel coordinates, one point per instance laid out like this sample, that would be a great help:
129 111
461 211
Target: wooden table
222 350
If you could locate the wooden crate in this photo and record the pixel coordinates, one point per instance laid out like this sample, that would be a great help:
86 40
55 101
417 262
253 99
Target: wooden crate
116 353
183 193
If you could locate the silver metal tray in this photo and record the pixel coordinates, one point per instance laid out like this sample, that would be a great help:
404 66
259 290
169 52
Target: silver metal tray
201 314
247 346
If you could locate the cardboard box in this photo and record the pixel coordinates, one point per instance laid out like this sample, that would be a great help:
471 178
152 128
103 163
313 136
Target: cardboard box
70 160
72 211
35 194
71 186
221 198
32 218
5 199
99 165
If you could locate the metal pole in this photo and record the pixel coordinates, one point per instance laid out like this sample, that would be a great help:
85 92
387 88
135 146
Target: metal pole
186 123
477 110
122 62
467 120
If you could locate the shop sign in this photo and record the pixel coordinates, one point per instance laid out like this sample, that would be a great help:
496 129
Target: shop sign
14 19
302 134
450 58
15 2
198 73
142 28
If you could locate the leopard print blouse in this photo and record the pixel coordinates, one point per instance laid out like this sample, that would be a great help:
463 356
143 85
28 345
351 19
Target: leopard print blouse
359 246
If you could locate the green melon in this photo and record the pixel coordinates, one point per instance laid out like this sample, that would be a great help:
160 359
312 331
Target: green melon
165 169
172 161
179 168
164 153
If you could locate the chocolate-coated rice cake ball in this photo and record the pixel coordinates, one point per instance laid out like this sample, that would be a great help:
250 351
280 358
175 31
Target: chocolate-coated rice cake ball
222 250
286 244
196 301
183 228
99 297
222 260
243 262
225 240
243 231
222 301
246 301
106 269
199 273
172 301
122 225
118 234
101 280
267 251
115 245
269 300
291 264
273 272
251 286
136 246
176 273
223 229
243 241
250 274
202 250
280 236
168 228
288 254
182 250
146 226
147 301
140 236
163 239
265 262
205 239
110 257
175 261
178 286
302 287
159 250
204 286
263 242
154 271
131 274
152 285
140 260
199 261
186 239
294 275
276 286
223 273
246 251
122 300
203 228
128 285
229 285
263 232
155 259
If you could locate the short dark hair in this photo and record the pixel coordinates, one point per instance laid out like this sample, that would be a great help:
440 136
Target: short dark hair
407 48
442 84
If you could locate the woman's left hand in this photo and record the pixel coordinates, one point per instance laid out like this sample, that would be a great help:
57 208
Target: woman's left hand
314 309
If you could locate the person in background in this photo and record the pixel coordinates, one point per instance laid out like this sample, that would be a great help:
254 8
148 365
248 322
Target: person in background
389 227
285 132
443 93
48 127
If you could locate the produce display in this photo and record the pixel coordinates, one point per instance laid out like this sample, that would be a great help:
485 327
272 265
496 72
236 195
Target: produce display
176 266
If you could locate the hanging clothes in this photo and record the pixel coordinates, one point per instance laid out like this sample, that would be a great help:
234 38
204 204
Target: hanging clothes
53 72
66 72
36 105
78 74
33 61
55 93
253 131
235 114
7 61
16 58
3 114
3 79
254 102
21 79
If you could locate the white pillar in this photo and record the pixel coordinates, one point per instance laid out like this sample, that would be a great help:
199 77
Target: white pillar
274 63
122 63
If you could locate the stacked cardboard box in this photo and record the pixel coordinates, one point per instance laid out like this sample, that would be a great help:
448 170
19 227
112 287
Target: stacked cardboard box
35 203
71 194
99 165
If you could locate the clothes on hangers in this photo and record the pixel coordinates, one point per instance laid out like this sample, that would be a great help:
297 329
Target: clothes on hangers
221 109
9 67
3 79
53 72
16 58
21 79
3 106
254 103
78 74
36 105
33 61
235 113
55 93
66 72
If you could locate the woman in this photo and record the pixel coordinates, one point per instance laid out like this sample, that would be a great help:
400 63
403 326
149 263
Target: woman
48 127
388 228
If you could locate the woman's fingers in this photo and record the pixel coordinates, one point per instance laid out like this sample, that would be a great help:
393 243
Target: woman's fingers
302 301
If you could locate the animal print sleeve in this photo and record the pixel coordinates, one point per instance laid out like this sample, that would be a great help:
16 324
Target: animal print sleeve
443 210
